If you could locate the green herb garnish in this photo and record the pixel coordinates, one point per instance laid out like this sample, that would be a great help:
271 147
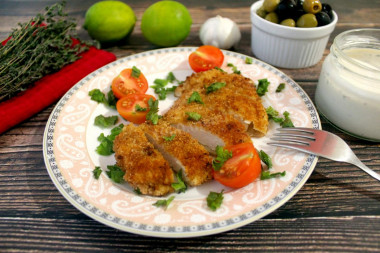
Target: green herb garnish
171 78
138 108
98 96
96 172
214 200
164 202
193 116
280 87
137 191
284 122
234 68
287 121
222 155
180 185
103 121
214 87
169 138
267 175
135 72
265 158
115 173
106 142
160 84
195 97
248 60
152 115
262 87
221 70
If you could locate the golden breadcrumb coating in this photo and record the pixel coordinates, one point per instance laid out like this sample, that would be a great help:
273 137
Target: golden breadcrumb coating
238 97
145 168
182 151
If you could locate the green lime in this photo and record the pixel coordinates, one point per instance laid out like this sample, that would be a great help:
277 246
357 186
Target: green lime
109 21
166 23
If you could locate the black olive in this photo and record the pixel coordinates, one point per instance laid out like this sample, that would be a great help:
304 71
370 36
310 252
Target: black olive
327 9
285 9
323 18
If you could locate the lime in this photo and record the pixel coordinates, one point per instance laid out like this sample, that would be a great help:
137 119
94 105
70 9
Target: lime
109 21
166 23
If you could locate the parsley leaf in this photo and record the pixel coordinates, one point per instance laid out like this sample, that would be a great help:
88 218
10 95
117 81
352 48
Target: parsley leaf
180 185
171 78
115 173
96 172
287 121
214 200
152 115
273 115
214 87
106 142
160 84
169 138
262 87
222 155
193 116
195 97
137 191
103 121
164 202
221 70
234 68
265 158
138 108
97 95
280 87
267 175
248 60
135 72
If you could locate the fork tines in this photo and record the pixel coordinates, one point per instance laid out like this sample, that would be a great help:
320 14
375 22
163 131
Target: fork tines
293 135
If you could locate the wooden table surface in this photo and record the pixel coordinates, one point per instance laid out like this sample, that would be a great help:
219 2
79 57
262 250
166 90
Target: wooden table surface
338 209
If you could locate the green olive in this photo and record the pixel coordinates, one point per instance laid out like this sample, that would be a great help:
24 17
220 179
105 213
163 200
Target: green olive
270 5
288 22
307 20
272 17
261 12
312 6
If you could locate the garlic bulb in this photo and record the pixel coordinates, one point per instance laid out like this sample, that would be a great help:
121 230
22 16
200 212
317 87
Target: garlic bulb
220 32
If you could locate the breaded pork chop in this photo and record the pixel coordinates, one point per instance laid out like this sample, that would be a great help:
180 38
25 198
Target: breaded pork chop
181 151
145 167
238 97
212 129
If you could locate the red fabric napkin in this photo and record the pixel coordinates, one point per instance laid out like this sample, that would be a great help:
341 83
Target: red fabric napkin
50 88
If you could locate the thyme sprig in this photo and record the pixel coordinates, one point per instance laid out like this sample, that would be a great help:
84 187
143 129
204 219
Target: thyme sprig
37 48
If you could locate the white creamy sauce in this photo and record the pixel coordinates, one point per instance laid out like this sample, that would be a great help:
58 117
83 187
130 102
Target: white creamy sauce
349 100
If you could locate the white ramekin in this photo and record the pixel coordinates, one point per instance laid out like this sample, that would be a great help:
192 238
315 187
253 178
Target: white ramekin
288 47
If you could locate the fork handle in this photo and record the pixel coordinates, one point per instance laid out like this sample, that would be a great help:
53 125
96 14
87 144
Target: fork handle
361 165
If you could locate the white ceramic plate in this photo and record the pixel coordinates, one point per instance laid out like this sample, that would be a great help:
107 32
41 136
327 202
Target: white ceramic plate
70 140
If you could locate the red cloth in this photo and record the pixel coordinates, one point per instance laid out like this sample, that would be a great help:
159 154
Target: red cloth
50 88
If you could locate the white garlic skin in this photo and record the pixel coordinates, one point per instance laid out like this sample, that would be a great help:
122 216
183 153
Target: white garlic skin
220 32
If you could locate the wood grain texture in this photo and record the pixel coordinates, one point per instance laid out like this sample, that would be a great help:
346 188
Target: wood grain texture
337 210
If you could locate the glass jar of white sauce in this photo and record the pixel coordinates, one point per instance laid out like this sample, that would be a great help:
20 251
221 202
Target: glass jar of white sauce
348 91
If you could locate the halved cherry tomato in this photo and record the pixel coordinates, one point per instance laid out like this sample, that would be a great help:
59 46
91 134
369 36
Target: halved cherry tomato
134 107
242 169
205 58
125 84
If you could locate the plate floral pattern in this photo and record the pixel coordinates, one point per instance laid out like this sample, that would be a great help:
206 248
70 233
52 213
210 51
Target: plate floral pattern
70 140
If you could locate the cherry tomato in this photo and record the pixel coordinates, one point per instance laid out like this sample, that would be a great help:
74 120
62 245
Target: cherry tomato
134 107
205 58
242 169
125 83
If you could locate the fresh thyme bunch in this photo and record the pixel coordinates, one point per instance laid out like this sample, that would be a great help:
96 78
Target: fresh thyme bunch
36 48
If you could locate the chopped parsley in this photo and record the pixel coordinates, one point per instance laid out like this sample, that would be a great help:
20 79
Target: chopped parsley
267 175
221 70
160 84
169 138
106 142
98 96
137 191
115 173
138 108
103 121
152 115
214 87
280 87
214 200
180 185
234 68
265 158
273 115
135 72
195 97
262 87
222 155
287 121
164 202
193 116
96 172
248 60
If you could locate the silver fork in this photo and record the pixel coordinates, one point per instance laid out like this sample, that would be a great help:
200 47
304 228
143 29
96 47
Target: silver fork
320 143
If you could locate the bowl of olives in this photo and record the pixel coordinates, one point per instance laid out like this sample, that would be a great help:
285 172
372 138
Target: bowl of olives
291 33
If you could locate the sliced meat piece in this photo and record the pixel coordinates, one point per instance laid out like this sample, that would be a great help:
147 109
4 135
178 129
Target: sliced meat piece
238 97
181 151
145 167
213 128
